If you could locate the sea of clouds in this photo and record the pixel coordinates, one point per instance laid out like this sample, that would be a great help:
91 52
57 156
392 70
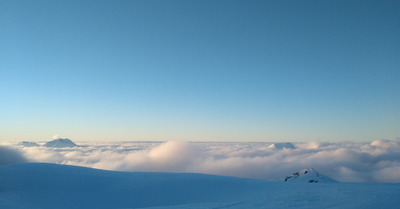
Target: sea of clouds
377 161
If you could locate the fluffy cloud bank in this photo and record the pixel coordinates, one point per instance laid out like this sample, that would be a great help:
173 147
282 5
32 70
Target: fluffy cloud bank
378 161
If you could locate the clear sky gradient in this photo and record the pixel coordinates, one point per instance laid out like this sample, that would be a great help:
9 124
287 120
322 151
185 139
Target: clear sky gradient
193 70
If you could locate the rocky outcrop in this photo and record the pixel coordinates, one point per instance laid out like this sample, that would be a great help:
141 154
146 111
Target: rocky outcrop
308 175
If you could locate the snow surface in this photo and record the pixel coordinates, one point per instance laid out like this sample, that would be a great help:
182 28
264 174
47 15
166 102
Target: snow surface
39 185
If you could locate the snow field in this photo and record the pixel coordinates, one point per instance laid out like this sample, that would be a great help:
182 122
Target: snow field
39 185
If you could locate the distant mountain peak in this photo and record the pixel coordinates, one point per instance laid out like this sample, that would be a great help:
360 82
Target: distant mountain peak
60 143
282 145
28 144
308 175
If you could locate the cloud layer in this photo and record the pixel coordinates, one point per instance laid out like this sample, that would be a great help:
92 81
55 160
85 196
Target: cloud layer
378 161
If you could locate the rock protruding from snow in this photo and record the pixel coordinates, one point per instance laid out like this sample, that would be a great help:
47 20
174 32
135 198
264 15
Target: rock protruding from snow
283 145
308 175
60 143
28 144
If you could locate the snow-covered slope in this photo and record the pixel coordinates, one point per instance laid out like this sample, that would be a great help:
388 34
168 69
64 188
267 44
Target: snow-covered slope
308 175
59 186
45 186
60 143
10 156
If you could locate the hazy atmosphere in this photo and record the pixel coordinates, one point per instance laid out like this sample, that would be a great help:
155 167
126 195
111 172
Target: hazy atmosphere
200 70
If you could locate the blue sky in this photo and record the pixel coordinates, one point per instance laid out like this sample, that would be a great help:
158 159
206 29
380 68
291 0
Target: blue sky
200 70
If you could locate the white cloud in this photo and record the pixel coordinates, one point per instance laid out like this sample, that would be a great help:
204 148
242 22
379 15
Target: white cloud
384 143
376 161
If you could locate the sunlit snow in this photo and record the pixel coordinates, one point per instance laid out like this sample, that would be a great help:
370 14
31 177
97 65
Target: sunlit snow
49 186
